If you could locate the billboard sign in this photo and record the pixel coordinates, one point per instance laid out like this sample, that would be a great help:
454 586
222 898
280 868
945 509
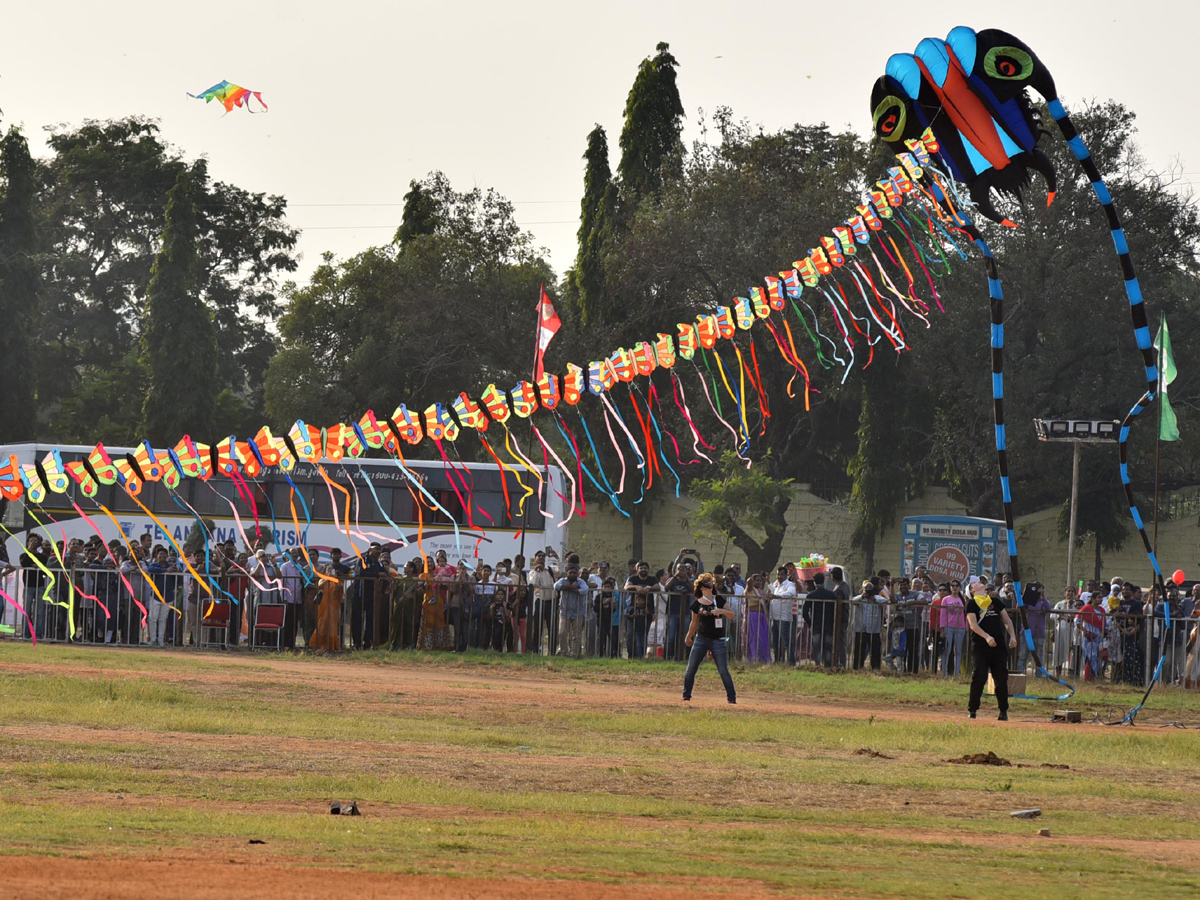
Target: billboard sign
954 548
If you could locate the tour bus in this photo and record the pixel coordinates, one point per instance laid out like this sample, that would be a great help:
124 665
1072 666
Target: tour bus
490 532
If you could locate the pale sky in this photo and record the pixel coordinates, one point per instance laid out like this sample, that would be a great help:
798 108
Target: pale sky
366 96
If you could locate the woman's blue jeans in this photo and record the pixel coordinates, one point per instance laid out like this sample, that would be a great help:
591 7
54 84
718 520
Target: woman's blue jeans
701 647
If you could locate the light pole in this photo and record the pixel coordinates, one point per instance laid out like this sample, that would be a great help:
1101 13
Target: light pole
1077 432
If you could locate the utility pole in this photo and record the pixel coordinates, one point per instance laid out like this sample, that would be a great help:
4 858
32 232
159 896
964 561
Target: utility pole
1077 432
1074 510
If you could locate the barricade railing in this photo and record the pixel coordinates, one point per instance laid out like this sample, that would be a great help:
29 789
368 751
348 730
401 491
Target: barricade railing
167 607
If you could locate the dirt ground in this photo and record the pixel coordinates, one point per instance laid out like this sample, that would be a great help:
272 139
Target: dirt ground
256 872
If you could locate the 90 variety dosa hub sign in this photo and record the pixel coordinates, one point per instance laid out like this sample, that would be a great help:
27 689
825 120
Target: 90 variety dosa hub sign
948 564
954 547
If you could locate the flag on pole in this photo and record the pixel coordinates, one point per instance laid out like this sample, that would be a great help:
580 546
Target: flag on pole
1168 426
548 325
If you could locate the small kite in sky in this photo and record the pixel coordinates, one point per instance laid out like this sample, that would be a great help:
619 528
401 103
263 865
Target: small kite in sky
231 95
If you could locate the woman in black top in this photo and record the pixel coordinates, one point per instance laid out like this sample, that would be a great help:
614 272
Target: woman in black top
706 634
989 624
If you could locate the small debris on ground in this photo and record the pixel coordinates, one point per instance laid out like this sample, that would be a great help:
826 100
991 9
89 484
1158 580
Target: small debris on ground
524 748
980 759
1025 813
1042 766
874 754
1044 832
255 841
344 809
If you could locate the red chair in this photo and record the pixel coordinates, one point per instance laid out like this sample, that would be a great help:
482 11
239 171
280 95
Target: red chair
268 617
215 618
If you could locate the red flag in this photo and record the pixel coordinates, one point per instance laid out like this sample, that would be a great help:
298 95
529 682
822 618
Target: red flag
548 325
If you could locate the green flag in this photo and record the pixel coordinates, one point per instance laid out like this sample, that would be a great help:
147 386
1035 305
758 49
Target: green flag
1168 427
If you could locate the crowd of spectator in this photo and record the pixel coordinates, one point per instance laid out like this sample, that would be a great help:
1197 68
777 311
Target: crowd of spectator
140 592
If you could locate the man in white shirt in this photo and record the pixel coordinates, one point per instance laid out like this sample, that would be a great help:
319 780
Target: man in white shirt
541 582
293 595
572 599
783 629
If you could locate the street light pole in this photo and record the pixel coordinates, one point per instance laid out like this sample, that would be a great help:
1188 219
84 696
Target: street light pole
1076 431
1074 506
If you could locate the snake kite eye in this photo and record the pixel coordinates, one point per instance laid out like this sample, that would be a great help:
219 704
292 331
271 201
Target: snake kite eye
888 112
1003 62
1008 64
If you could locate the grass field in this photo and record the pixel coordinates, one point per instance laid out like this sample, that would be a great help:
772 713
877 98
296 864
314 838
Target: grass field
500 776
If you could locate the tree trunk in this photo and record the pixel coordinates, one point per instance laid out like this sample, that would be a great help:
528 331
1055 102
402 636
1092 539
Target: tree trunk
1096 572
868 550
637 523
763 557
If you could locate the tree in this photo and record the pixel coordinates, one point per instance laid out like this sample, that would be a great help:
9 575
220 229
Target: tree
743 203
415 321
651 147
881 467
178 341
741 498
104 204
20 288
420 214
586 281
1068 347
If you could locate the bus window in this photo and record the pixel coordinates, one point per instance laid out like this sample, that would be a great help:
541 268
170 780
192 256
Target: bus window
369 507
404 509
493 505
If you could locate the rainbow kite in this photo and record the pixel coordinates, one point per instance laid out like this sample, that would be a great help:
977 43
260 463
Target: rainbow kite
231 95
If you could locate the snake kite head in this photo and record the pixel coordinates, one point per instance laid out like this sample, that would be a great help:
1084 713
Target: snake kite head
968 90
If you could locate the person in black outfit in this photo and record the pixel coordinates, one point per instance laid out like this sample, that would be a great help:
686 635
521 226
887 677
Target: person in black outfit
706 634
679 592
641 587
989 624
366 582
819 612
35 583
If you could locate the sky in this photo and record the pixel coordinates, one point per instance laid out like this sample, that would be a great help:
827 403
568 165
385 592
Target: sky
366 96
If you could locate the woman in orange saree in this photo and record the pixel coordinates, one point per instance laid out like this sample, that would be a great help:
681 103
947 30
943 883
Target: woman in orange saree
329 613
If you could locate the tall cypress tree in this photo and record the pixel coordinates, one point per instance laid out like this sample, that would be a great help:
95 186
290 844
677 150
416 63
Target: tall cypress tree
421 213
651 146
179 340
20 283
596 212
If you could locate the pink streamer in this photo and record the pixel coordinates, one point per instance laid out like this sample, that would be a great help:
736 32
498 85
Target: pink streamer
641 459
21 609
566 472
697 440
737 438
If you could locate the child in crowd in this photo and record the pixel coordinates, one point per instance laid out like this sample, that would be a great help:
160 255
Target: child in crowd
896 642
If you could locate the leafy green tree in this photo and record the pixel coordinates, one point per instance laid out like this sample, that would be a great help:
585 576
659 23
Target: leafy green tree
887 447
718 227
415 321
1069 351
20 288
420 213
104 204
178 341
743 505
651 146
586 281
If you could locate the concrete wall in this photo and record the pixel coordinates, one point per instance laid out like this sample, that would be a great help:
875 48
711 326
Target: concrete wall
816 526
